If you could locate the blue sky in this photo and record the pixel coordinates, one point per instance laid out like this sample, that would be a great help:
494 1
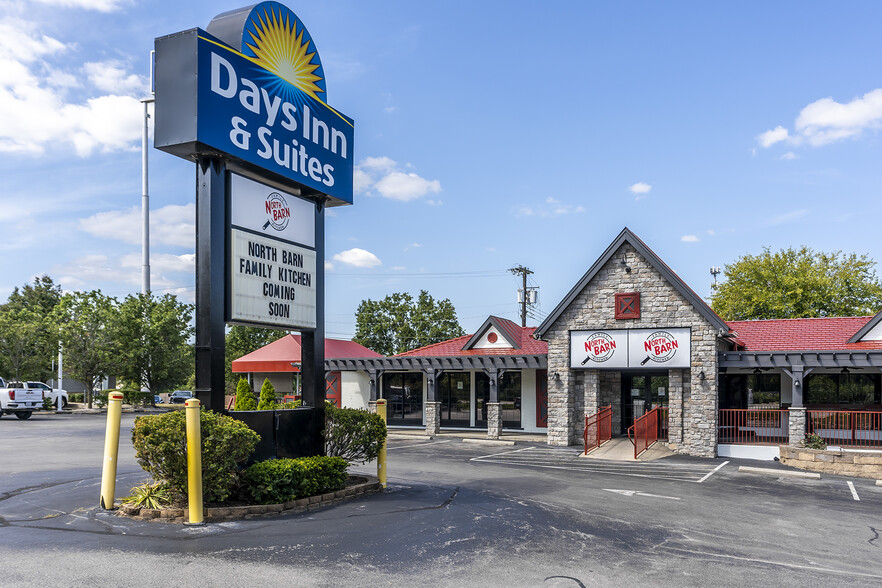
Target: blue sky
488 135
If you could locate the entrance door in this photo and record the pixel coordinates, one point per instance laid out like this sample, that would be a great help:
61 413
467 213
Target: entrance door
640 394
453 391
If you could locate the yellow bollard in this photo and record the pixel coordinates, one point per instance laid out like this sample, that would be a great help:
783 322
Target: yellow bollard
381 459
194 461
111 450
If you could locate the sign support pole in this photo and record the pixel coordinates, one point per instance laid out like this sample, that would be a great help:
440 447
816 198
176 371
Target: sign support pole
210 282
313 342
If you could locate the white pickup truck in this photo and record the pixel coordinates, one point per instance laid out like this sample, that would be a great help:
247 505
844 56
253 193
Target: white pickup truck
50 393
18 399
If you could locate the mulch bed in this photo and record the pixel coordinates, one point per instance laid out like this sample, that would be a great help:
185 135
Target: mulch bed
355 486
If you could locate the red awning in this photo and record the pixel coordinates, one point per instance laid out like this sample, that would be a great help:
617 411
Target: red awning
280 354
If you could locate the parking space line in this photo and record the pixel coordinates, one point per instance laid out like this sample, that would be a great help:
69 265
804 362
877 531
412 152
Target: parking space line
854 493
418 444
712 472
498 454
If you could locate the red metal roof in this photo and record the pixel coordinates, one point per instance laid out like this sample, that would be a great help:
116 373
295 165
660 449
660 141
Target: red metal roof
803 334
454 347
280 354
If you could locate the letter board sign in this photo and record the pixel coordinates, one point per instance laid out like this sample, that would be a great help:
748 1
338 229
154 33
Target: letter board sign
272 270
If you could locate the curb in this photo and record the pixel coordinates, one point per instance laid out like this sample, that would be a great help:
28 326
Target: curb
879 482
774 472
488 441
406 437
364 485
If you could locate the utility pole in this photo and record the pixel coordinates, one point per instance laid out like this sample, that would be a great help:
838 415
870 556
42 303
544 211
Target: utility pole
524 272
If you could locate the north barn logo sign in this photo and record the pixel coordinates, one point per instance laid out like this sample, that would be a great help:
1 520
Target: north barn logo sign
252 88
631 348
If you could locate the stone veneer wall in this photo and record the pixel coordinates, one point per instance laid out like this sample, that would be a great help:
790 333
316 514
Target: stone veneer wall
661 305
841 463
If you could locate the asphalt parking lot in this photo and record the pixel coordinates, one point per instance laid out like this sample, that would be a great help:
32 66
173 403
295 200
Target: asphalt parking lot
454 514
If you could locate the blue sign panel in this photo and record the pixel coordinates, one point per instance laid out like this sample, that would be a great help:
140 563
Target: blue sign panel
263 102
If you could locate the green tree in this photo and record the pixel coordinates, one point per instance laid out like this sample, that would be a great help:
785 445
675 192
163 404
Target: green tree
244 396
267 396
798 283
28 341
242 341
86 329
398 323
22 335
153 335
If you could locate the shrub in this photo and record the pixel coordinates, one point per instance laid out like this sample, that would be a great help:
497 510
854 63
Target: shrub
813 441
353 434
77 397
280 480
244 396
267 396
148 495
161 448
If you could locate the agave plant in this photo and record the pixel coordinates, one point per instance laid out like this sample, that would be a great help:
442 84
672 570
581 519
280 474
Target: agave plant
147 495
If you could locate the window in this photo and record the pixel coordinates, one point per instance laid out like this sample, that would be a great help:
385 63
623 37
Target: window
847 390
404 393
750 391
764 390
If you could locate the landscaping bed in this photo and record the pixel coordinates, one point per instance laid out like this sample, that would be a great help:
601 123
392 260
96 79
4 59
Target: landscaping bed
355 486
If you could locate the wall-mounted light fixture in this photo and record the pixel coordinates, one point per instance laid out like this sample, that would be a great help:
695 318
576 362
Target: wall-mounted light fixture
701 376
625 263
556 377
797 383
845 370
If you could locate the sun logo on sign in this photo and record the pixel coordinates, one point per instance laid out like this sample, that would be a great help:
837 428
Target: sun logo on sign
281 44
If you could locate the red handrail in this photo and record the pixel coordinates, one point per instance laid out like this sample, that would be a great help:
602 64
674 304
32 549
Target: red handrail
598 428
645 430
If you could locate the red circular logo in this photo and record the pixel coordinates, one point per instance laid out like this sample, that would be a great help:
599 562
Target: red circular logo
492 337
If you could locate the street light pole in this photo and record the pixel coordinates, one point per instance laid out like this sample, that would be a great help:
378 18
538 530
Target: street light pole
145 204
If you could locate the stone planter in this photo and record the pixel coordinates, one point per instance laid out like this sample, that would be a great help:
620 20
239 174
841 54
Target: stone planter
859 464
357 486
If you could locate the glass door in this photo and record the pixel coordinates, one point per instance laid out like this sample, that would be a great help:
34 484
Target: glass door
640 394
454 394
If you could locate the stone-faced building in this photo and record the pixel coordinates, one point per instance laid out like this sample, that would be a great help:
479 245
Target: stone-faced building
631 334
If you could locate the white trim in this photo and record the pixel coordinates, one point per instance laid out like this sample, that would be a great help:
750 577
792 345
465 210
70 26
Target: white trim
763 452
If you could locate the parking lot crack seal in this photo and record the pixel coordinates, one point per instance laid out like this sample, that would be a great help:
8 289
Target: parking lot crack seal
875 536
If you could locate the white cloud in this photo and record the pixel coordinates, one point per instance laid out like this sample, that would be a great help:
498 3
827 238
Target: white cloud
690 239
551 207
640 188
787 217
328 266
413 246
111 76
35 112
385 177
405 186
97 5
826 121
169 225
358 258
773 136
398 268
431 202
97 270
790 155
